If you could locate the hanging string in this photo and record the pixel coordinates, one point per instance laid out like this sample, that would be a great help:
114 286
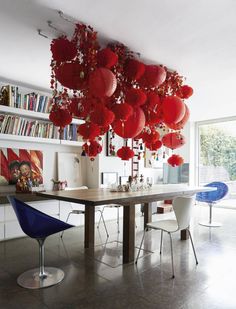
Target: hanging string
55 28
61 14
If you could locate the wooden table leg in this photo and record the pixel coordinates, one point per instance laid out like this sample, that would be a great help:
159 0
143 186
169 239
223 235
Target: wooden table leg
184 235
147 213
89 226
128 233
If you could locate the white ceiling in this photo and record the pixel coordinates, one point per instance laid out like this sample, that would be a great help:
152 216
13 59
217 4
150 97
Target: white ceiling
196 38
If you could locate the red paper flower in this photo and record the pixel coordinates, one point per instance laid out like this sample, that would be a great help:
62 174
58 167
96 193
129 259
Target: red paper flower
102 116
92 148
135 97
122 111
125 153
89 130
106 58
60 116
63 50
175 160
184 92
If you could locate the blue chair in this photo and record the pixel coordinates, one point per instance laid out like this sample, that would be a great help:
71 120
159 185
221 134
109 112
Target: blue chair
38 225
211 198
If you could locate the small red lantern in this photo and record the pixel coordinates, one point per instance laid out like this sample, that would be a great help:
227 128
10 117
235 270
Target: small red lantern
122 111
89 130
135 97
131 127
106 58
125 153
175 160
184 92
63 50
153 76
102 116
173 140
102 83
60 116
134 69
173 109
151 137
154 146
92 148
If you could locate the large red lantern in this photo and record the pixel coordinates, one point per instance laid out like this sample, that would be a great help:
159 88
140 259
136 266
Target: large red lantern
135 97
89 130
175 160
122 111
184 92
92 148
102 83
153 76
63 50
71 75
102 116
125 153
179 125
173 140
60 116
134 69
173 109
131 127
106 58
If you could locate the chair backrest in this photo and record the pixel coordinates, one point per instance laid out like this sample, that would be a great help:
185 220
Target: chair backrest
213 196
183 206
35 223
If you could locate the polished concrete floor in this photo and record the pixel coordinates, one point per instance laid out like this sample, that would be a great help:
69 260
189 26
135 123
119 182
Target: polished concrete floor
96 279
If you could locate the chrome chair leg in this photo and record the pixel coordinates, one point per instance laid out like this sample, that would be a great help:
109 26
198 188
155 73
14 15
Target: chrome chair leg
193 246
102 218
172 258
146 229
161 241
66 222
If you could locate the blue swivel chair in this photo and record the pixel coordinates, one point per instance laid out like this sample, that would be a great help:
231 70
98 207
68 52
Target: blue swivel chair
38 225
211 198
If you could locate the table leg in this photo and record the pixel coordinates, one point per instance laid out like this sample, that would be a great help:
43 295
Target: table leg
184 235
147 213
128 233
89 226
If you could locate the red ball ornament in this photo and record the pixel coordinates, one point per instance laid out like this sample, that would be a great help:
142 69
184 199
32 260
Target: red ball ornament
125 153
60 116
175 160
135 97
102 83
63 50
92 148
173 109
134 69
154 146
131 127
71 75
89 130
102 116
106 58
173 140
184 92
122 111
153 76
179 125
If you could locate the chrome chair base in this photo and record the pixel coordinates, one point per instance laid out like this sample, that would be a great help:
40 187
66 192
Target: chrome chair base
212 224
30 279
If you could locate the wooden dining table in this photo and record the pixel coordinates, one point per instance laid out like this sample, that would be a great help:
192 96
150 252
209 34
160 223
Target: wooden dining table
95 197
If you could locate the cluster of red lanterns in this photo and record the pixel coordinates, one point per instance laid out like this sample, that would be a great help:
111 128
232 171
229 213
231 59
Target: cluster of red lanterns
110 88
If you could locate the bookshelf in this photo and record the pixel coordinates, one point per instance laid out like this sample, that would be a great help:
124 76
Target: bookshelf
24 118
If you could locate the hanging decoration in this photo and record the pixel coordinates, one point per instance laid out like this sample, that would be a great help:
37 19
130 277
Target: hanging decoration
109 87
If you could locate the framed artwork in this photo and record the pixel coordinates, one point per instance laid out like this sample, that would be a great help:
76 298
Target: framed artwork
123 180
113 143
108 178
21 166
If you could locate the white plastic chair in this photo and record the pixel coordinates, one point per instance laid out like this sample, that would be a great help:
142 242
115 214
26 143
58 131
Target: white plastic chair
82 211
182 208
117 206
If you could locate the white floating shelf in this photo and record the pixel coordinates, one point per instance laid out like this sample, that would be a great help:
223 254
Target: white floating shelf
72 143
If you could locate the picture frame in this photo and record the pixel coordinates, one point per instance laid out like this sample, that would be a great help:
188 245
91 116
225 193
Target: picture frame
108 178
113 143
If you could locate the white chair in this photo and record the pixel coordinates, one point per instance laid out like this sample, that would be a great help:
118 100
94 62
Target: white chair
118 215
82 211
182 208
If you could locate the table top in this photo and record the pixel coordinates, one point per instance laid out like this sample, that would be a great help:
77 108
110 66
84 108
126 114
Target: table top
94 197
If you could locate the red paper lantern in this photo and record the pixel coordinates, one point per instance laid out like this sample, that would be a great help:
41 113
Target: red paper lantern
60 116
175 160
102 83
131 127
122 111
106 58
134 69
184 92
102 116
153 101
150 137
125 153
63 50
153 76
92 148
154 146
173 140
173 109
89 130
135 97
152 118
71 75
179 125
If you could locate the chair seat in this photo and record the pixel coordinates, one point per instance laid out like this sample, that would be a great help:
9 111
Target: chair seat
165 225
